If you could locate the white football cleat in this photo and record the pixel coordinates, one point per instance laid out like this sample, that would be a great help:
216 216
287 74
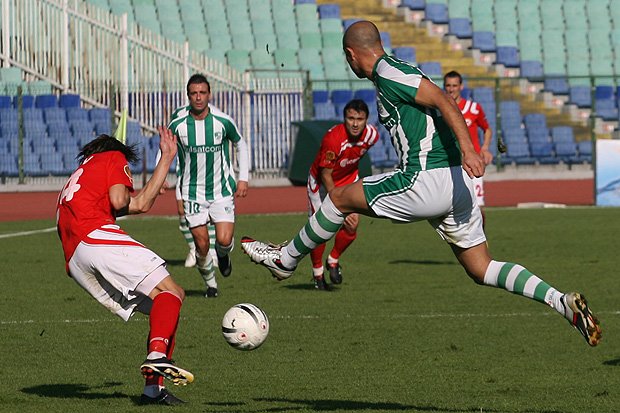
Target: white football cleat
267 255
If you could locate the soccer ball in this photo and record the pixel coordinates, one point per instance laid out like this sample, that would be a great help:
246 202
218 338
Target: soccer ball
245 326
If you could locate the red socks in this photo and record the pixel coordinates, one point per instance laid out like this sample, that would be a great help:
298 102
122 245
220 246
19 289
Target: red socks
163 322
343 239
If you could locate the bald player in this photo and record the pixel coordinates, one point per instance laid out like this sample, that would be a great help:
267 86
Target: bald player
432 182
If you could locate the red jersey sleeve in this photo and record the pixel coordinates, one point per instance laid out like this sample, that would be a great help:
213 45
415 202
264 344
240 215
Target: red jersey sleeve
482 118
330 148
119 172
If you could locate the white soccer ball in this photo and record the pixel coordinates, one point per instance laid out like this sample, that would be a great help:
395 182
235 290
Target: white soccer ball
245 326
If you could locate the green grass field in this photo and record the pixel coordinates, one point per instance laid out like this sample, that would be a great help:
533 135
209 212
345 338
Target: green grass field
406 331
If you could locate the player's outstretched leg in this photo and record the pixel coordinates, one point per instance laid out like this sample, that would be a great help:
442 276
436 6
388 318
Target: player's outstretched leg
267 255
282 261
578 313
573 306
165 367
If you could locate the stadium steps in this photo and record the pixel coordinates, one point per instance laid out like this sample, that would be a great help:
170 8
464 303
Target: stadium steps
432 48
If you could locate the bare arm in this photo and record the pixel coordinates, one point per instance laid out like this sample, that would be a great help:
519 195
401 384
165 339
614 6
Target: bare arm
326 178
141 203
484 150
433 97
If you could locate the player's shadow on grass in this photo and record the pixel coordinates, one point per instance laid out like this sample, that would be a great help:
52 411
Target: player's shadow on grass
613 362
309 286
175 262
335 405
423 262
77 391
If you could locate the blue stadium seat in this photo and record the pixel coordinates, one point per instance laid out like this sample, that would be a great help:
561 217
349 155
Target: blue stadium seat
341 96
347 22
77 114
562 134
329 11
483 95
519 153
99 114
460 27
8 164
534 120
580 96
437 13
5 102
566 151
52 163
320 96
54 114
483 41
538 135
33 115
543 152
69 101
606 109
515 136
508 56
32 164
325 111
386 40
46 101
556 85
27 101
406 53
531 69
367 95
585 152
413 4
8 115
431 69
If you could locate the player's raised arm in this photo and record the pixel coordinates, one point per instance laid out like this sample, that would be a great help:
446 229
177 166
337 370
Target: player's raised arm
145 199
432 96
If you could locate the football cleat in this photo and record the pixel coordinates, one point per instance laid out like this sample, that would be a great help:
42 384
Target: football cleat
224 264
190 260
165 367
319 283
335 272
164 398
211 292
578 313
267 255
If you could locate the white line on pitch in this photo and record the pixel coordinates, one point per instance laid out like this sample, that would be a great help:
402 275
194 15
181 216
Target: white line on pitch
20 234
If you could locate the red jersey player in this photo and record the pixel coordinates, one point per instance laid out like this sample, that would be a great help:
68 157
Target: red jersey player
119 272
337 164
474 118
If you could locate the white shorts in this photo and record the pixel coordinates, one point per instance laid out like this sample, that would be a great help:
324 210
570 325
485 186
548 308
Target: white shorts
444 197
479 190
120 277
203 212
316 195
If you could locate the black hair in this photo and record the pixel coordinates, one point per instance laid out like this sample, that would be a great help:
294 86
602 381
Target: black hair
196 79
453 73
106 143
358 105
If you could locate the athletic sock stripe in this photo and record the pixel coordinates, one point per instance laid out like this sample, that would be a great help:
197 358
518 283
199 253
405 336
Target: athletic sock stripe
503 274
298 246
521 281
540 292
325 223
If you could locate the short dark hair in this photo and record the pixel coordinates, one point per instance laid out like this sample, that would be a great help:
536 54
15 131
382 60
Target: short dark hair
453 73
196 79
358 105
106 143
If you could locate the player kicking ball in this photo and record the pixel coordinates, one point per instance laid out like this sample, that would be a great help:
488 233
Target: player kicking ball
433 182
116 270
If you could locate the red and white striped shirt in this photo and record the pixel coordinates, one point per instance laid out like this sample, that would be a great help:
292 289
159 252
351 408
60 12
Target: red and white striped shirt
474 118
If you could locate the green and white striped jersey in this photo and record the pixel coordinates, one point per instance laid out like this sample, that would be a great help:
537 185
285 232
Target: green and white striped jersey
204 162
421 137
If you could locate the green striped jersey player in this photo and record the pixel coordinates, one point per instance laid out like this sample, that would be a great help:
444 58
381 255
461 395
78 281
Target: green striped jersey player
433 182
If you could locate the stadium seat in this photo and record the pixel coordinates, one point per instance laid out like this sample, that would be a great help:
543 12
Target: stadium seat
46 101
543 152
580 96
460 27
69 101
562 134
432 69
566 151
413 4
507 56
531 69
406 53
27 101
320 96
556 85
367 95
483 41
519 153
341 96
329 11
437 13
5 102
8 164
